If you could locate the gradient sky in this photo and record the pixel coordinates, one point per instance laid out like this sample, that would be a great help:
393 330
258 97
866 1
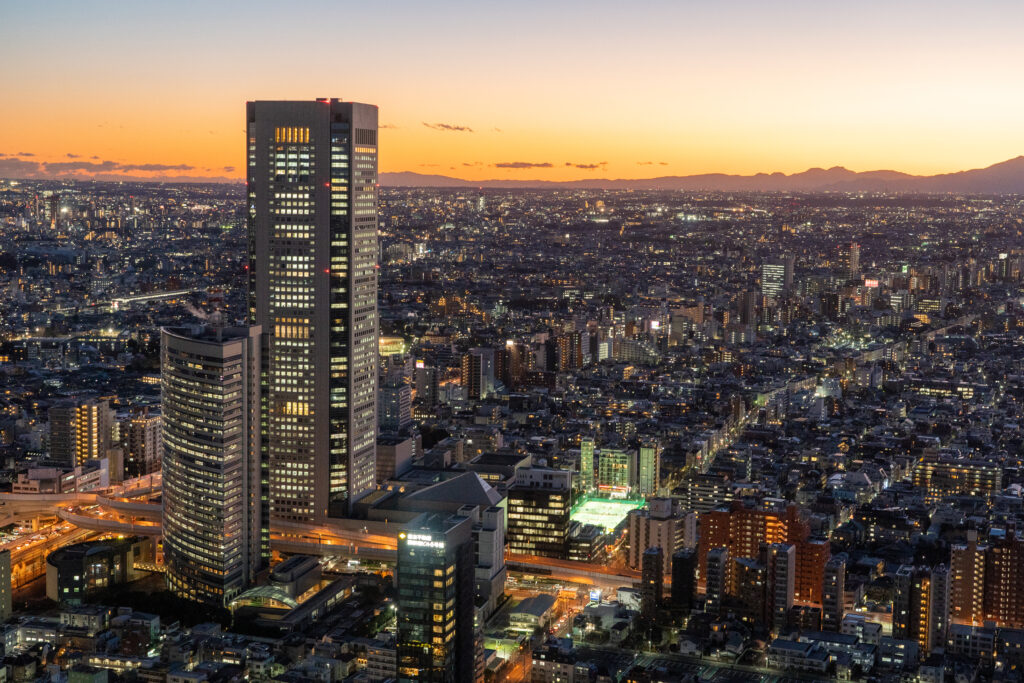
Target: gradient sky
594 89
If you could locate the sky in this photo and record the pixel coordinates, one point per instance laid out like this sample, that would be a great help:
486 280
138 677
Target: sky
514 90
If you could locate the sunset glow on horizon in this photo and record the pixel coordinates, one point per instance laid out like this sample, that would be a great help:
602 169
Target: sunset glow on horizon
524 90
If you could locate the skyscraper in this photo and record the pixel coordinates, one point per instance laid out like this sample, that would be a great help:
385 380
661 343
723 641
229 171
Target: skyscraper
435 600
215 527
312 199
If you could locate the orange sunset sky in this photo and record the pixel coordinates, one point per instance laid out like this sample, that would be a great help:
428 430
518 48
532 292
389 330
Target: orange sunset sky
547 90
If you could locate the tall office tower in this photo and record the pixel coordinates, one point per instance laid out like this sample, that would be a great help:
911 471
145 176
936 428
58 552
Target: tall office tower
652 581
80 431
779 560
539 503
684 579
312 195
773 278
478 373
216 536
435 600
848 259
649 469
141 436
920 610
587 464
832 593
6 594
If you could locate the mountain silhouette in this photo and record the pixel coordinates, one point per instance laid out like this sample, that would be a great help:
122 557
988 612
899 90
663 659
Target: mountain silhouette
1006 177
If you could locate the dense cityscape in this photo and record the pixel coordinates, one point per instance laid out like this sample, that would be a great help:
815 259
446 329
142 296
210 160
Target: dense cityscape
315 429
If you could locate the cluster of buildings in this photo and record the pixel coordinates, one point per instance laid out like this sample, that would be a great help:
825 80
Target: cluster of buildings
452 435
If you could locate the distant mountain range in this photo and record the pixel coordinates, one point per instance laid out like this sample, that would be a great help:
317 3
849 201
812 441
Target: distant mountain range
1006 177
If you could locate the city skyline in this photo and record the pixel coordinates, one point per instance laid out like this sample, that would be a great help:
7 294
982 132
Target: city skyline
527 92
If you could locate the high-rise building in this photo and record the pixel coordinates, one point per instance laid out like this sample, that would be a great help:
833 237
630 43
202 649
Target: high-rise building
920 609
658 525
684 579
435 600
616 471
744 529
717 582
312 200
478 373
649 469
780 565
833 594
848 259
985 580
652 581
539 503
587 464
80 431
773 278
215 525
395 405
142 439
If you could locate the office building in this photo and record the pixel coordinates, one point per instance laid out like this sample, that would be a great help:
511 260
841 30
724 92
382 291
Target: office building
215 527
312 199
539 503
80 431
395 405
435 600
773 278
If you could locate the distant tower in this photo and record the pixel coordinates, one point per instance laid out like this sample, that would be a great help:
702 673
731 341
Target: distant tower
848 260
216 536
312 200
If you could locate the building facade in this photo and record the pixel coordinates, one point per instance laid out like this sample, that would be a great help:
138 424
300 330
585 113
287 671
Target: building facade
216 536
312 200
